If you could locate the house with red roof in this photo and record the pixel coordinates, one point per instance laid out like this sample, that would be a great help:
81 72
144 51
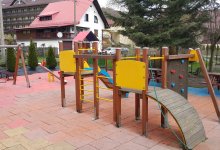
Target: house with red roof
56 23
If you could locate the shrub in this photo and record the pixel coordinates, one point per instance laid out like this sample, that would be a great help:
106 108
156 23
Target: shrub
32 56
51 60
11 60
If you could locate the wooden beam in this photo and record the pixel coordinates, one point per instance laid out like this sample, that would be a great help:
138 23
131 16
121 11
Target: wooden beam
95 82
77 81
116 93
137 96
18 56
180 56
93 56
210 87
62 87
144 95
164 113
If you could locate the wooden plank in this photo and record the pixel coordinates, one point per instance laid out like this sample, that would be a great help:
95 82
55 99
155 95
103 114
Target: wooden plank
181 109
180 56
130 90
210 88
196 139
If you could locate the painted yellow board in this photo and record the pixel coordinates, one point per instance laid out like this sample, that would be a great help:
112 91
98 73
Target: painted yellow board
67 62
85 64
195 58
131 74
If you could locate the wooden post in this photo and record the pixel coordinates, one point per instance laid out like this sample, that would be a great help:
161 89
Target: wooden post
24 67
77 81
95 82
144 96
62 78
18 56
164 113
137 96
210 88
116 93
62 86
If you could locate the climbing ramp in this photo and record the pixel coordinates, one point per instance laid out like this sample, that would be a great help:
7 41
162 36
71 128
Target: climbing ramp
185 115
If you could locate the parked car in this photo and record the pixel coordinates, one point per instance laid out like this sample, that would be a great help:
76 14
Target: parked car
112 50
124 51
109 51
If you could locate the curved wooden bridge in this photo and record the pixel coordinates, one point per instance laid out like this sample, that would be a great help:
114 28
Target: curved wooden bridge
185 115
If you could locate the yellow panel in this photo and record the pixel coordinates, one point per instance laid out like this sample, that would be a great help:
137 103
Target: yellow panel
131 74
195 58
67 62
85 64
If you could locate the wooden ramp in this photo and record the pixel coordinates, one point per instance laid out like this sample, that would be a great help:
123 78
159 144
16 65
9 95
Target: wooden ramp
107 83
187 118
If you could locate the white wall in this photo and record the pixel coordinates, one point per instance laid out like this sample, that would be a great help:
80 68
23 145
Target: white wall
93 26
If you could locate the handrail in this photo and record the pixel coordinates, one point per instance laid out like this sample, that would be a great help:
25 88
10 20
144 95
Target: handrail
9 46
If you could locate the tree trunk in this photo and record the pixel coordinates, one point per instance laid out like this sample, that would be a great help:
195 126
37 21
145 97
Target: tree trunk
212 48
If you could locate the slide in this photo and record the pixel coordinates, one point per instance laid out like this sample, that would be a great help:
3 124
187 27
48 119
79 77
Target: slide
108 81
185 115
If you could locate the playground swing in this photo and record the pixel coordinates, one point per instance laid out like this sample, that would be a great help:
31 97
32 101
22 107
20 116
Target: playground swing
18 56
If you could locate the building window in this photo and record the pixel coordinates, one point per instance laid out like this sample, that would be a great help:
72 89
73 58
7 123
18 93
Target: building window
87 17
45 18
96 32
95 19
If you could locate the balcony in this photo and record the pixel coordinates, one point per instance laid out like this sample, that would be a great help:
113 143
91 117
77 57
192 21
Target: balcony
53 35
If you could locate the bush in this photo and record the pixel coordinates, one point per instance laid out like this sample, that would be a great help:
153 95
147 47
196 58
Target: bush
11 60
51 60
32 56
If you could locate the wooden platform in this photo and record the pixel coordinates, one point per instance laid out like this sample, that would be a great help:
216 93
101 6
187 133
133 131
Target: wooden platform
183 112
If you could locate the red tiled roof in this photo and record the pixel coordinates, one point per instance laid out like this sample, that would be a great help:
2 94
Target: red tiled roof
85 35
65 15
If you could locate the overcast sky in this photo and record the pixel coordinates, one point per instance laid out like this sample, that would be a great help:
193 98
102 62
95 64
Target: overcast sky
103 3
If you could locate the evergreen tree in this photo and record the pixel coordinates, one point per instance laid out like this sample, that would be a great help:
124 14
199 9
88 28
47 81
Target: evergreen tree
11 59
32 56
162 22
51 59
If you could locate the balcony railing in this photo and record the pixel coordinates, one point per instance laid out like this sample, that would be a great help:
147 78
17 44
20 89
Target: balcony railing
53 35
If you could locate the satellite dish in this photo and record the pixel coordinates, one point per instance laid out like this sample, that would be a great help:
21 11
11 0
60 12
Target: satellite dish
59 34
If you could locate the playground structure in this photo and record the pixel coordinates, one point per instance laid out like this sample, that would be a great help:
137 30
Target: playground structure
135 79
19 55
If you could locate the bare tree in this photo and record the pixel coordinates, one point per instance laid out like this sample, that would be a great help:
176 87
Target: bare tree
213 29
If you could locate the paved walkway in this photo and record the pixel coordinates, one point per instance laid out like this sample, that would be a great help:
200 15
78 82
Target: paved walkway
34 119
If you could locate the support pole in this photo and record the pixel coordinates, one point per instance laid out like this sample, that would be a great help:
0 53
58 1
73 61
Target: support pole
77 81
62 80
116 93
164 113
208 81
144 95
95 82
137 96
18 56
